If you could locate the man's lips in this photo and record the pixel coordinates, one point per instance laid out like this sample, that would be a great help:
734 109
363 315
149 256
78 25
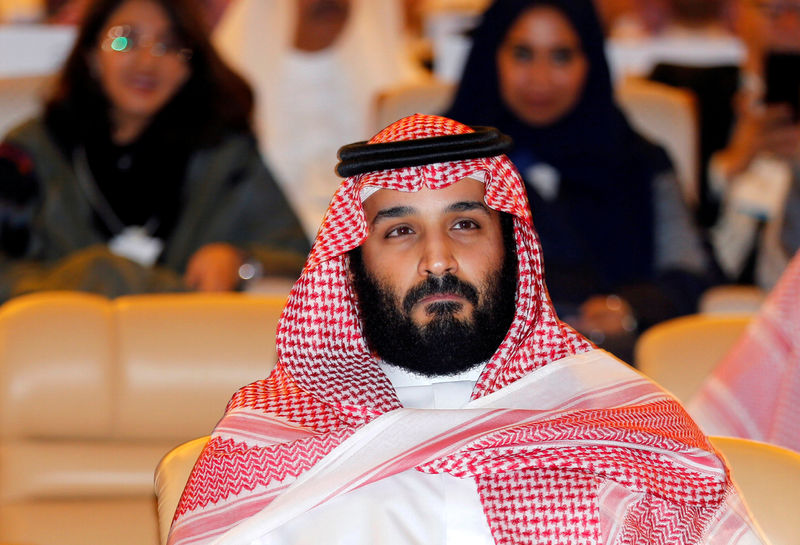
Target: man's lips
440 298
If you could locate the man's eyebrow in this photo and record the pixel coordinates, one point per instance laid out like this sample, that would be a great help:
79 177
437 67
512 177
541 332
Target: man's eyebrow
401 211
393 212
463 206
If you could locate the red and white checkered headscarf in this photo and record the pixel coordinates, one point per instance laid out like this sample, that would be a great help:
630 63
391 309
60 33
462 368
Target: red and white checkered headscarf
327 384
319 333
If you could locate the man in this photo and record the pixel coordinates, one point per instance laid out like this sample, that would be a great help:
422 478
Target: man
404 309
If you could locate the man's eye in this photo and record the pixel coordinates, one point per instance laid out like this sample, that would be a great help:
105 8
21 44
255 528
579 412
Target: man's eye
466 224
400 231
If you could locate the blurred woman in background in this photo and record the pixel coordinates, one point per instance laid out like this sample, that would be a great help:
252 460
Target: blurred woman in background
142 174
620 250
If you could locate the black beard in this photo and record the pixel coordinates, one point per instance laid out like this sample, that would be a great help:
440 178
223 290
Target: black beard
446 345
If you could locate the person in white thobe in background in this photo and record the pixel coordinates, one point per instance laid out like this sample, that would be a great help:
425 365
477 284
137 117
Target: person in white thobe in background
317 67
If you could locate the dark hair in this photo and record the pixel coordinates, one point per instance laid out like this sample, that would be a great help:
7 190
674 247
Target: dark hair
214 100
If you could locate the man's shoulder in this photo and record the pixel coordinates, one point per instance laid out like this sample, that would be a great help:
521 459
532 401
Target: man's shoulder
255 394
278 400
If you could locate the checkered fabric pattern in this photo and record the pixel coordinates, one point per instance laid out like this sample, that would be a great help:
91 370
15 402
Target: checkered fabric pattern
327 384
754 392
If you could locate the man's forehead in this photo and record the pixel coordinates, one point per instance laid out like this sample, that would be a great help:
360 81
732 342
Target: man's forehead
466 189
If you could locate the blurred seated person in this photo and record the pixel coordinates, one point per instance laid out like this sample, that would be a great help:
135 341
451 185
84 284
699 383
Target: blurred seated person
620 249
753 391
317 66
698 51
143 174
757 175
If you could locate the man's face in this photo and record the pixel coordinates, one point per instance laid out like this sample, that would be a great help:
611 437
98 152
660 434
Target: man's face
435 283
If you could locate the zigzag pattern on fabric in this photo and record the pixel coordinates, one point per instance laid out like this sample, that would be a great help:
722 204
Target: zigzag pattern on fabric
234 467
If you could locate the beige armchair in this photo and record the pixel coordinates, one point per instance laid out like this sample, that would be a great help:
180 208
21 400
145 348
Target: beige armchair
172 473
93 392
431 96
680 353
768 477
667 116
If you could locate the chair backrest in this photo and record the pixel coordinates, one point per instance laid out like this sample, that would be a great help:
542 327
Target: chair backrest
768 477
120 366
668 117
93 392
680 353
731 298
431 96
171 475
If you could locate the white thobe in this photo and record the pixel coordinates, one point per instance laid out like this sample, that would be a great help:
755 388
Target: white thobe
410 508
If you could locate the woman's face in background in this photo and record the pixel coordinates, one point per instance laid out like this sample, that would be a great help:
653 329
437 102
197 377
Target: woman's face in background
139 62
541 67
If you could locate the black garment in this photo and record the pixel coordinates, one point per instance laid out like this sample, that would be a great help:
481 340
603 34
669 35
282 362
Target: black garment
142 181
18 193
596 241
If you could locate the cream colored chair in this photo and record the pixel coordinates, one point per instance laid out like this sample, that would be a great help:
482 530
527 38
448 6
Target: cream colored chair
731 298
769 478
93 393
431 96
171 476
668 117
680 353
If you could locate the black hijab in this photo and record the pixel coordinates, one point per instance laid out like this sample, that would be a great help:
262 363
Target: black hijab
598 232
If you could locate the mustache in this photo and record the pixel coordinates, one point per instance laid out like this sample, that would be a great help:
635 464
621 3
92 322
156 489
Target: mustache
434 285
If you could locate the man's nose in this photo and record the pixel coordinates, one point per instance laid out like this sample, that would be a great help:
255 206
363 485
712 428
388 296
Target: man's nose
437 256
